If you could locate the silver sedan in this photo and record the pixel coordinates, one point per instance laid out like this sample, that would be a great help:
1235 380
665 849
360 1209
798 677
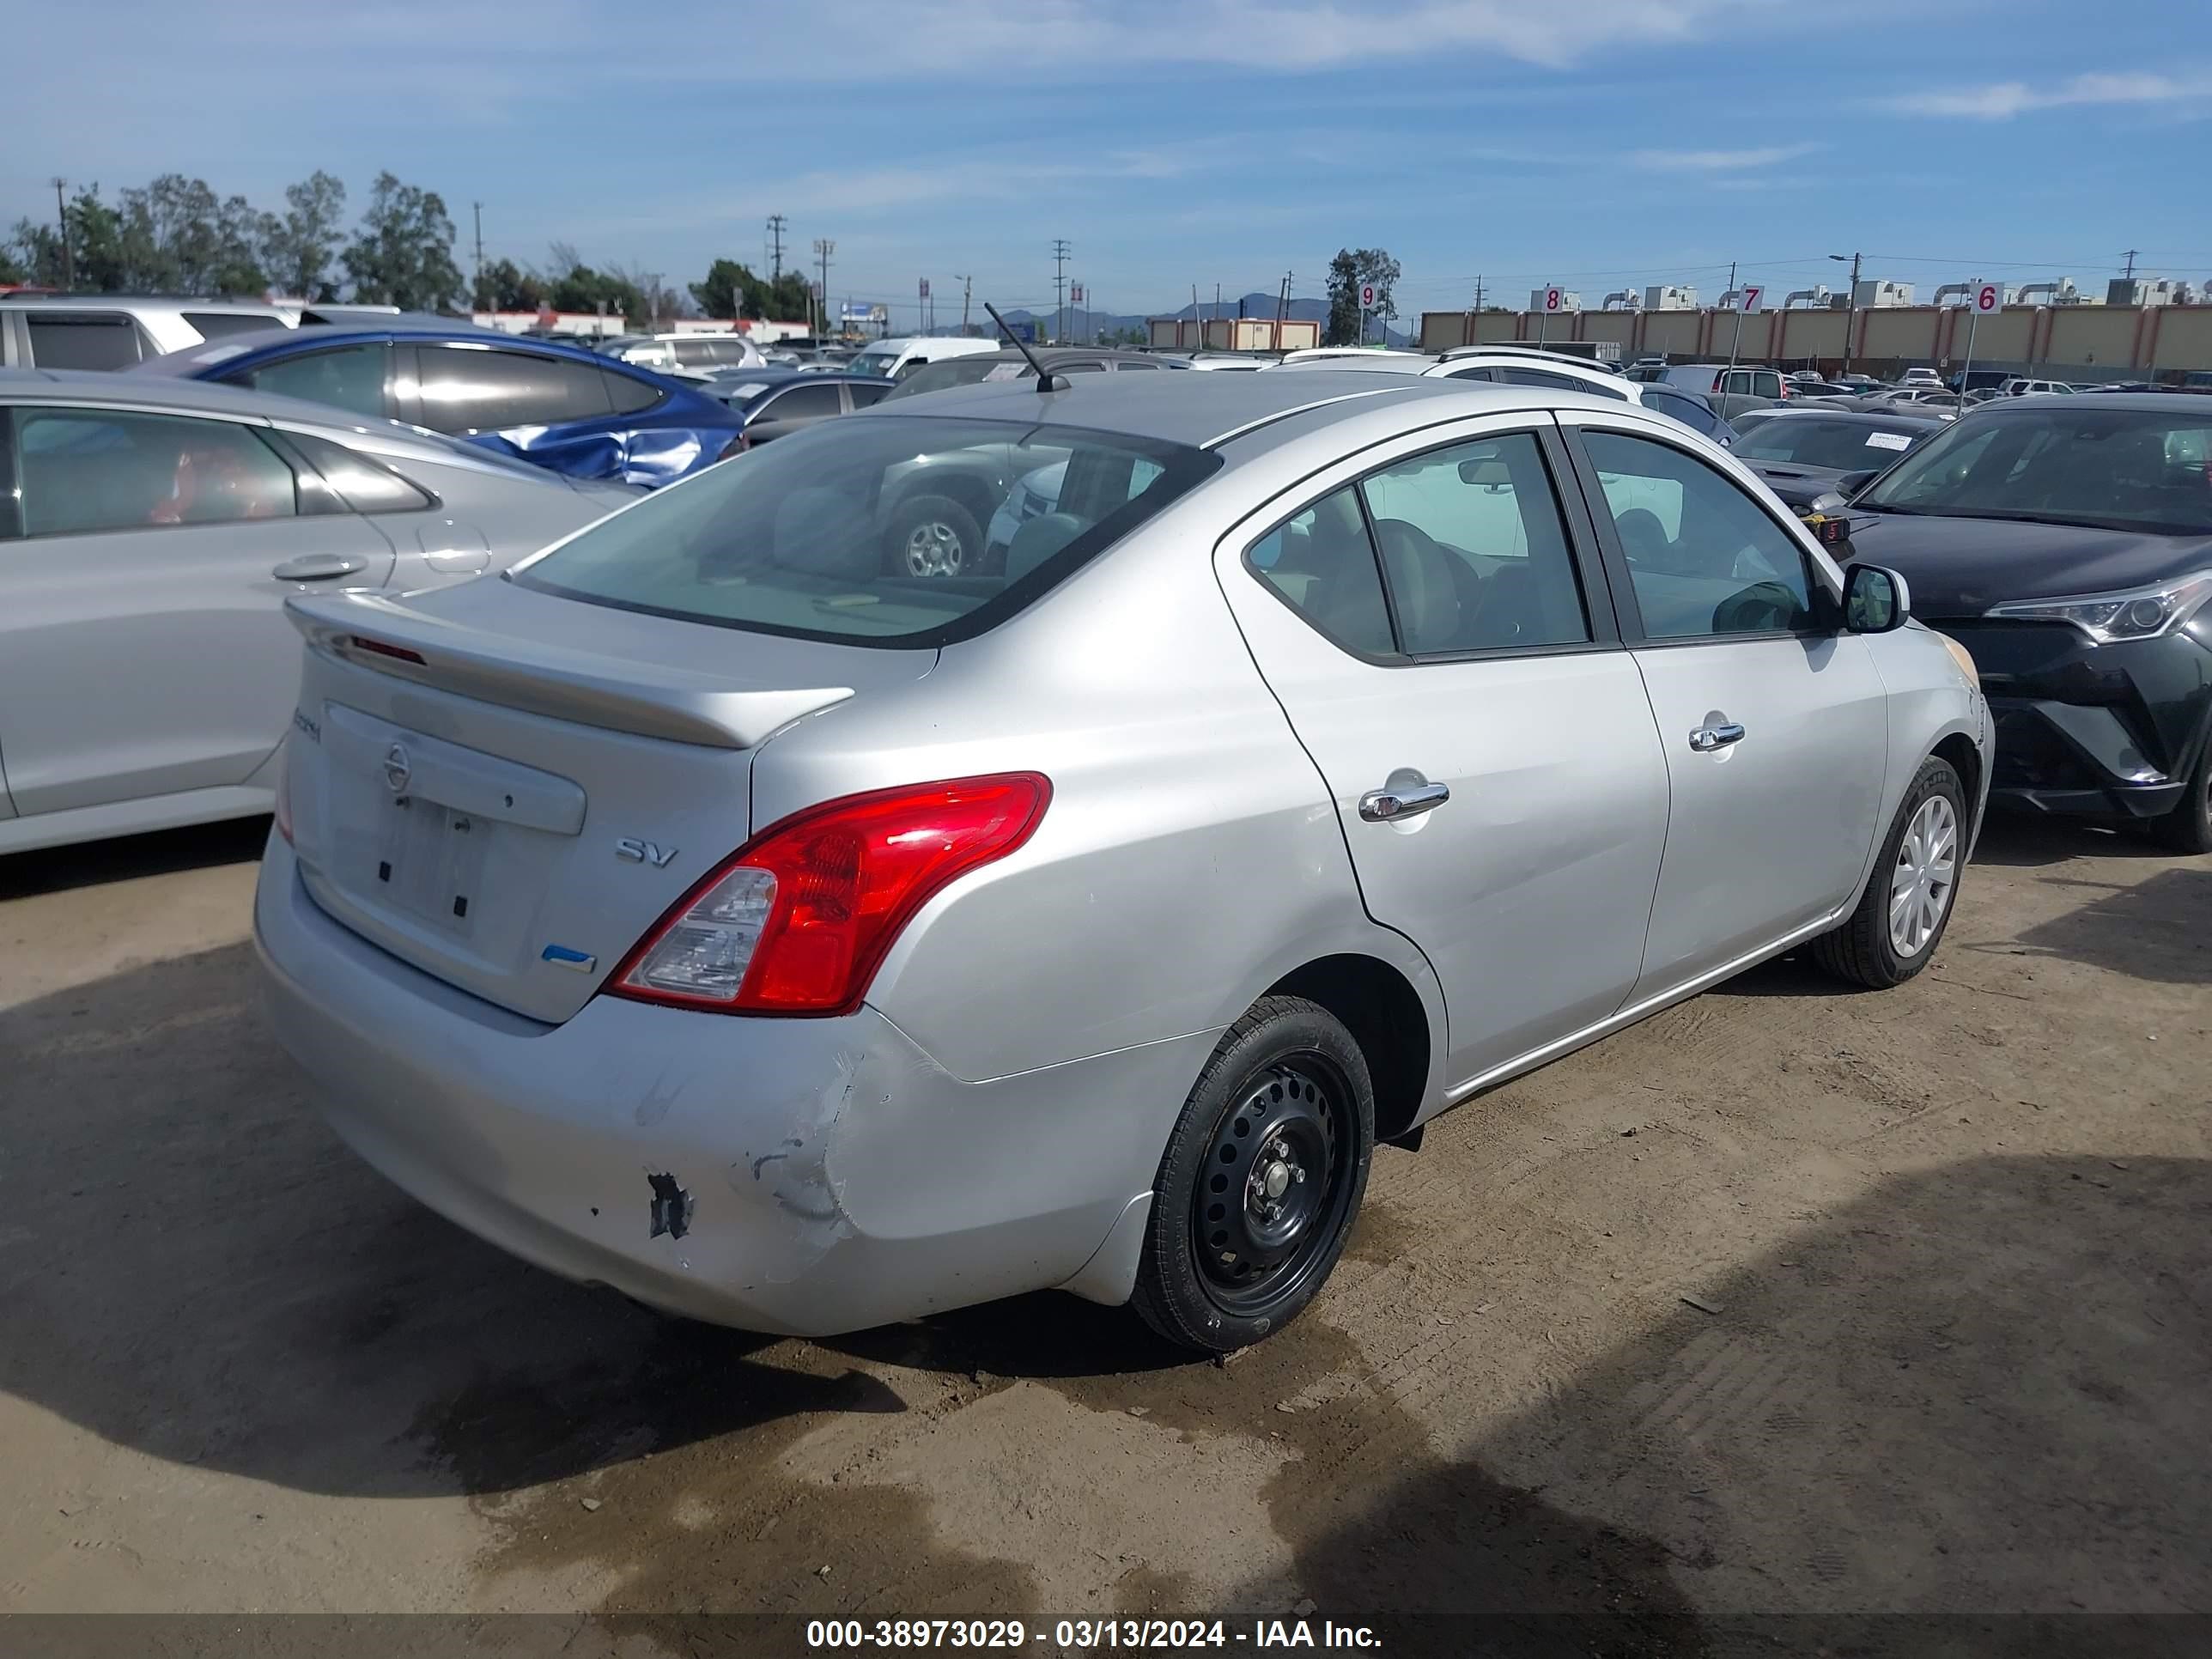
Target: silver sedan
149 533
709 910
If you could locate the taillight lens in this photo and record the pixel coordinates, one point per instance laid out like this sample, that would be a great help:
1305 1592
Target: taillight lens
737 446
797 920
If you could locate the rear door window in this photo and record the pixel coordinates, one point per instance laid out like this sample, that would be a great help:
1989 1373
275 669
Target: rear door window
626 393
83 339
468 389
1475 551
353 377
863 396
1322 564
1559 382
802 403
85 470
363 485
693 353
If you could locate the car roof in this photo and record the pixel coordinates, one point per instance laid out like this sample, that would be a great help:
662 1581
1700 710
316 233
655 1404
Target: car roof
167 394
210 354
1202 409
140 302
2178 405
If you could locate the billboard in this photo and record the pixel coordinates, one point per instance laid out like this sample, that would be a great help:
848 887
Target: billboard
869 316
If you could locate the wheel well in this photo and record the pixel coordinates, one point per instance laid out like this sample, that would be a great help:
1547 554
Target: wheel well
1966 761
971 493
1383 1013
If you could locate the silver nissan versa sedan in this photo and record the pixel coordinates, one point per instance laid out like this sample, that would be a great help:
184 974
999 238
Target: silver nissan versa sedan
711 909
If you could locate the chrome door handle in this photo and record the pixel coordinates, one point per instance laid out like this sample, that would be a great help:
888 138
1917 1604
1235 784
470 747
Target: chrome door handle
317 568
1389 805
1707 739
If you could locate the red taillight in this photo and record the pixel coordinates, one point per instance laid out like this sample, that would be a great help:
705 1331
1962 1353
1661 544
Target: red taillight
797 920
737 446
378 647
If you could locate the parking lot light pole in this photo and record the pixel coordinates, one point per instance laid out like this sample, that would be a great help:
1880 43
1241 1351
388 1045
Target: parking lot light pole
1850 310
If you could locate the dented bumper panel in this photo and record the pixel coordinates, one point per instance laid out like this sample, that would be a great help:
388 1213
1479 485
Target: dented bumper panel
803 1175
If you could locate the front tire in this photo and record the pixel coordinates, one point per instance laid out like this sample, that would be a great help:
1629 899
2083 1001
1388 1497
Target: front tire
1261 1182
1907 904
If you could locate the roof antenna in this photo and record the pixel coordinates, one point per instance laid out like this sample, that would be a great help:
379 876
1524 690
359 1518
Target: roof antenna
1044 377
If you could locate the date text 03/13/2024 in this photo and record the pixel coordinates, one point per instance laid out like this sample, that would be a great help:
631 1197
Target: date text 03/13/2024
1085 1635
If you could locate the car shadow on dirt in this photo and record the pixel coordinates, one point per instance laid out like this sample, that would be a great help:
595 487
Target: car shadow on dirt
1978 1386
2158 929
55 869
200 1270
2024 841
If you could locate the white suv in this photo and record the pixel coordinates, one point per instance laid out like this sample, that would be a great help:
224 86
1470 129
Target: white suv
114 330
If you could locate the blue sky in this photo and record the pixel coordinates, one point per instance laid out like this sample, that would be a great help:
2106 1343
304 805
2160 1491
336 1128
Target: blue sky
1600 143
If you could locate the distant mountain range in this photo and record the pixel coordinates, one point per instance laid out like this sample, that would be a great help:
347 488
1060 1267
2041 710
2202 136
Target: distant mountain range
1084 325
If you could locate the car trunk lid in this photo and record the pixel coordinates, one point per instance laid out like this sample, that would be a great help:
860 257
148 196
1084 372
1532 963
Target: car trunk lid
506 789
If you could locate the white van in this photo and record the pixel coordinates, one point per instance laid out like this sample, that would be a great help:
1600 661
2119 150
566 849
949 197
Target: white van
896 359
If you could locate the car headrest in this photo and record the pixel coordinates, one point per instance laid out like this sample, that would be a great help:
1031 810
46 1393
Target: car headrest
1038 540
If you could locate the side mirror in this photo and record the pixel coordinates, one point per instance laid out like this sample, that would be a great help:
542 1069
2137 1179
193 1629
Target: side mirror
1877 600
1851 483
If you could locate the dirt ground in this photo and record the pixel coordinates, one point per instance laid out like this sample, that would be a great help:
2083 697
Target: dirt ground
1787 1300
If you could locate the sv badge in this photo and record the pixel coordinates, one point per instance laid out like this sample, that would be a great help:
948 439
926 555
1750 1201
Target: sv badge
644 852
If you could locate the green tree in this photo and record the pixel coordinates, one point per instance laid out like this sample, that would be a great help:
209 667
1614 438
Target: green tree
506 286
404 254
37 254
1350 271
723 291
299 248
582 289
734 290
12 268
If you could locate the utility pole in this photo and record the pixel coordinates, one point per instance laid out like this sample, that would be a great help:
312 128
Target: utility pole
1282 304
1851 311
61 219
479 294
966 286
775 223
823 247
1197 318
1735 294
1060 252
2128 275
1473 311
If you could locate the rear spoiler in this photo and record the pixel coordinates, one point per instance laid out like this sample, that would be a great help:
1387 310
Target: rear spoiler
617 695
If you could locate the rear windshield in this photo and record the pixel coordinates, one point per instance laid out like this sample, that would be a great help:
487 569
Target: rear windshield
1844 446
898 530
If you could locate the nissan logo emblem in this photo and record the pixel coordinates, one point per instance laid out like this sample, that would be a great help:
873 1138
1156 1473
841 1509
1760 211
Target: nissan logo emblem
396 768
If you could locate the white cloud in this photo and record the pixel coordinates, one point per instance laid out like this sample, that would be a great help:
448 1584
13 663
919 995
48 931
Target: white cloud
1718 160
2000 101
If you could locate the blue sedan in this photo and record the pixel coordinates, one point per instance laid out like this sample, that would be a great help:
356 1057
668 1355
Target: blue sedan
573 411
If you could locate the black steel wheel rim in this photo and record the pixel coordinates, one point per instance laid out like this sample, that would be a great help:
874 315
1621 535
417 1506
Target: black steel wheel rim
1271 1198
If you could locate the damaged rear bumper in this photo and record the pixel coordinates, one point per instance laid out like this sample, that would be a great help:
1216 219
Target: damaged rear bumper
799 1175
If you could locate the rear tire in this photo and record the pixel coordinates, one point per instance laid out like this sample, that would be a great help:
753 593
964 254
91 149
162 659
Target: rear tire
932 536
2188 827
1892 936
1261 1182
